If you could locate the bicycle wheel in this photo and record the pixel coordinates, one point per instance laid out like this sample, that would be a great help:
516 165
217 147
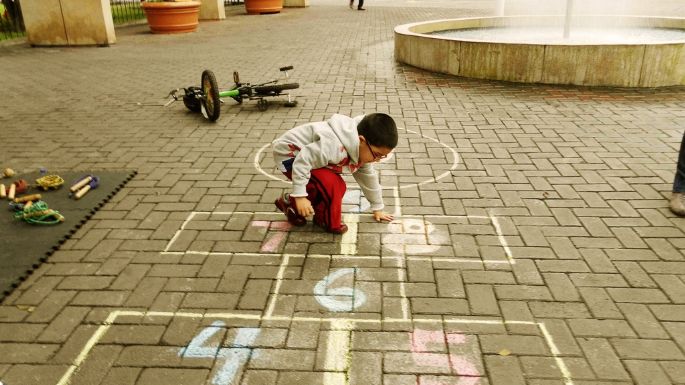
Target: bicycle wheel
275 89
190 99
211 104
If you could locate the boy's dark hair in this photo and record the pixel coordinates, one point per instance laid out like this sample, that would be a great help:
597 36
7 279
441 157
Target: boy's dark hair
378 129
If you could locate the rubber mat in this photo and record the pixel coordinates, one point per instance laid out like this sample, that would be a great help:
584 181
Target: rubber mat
23 246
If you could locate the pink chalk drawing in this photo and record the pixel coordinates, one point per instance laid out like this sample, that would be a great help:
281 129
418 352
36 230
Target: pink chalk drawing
275 239
423 355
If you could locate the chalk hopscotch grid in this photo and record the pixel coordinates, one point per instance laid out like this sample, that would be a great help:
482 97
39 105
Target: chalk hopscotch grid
348 240
337 323
349 251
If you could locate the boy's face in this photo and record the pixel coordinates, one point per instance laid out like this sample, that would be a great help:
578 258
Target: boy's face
369 153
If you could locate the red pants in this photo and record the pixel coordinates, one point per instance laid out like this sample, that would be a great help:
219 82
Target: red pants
325 190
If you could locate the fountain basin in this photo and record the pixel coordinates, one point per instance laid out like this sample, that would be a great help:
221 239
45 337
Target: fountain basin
655 63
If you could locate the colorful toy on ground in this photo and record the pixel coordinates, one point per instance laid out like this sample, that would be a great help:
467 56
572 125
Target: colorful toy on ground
207 97
37 214
21 186
50 182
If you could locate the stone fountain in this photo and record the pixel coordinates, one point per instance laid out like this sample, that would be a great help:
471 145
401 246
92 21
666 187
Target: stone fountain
592 50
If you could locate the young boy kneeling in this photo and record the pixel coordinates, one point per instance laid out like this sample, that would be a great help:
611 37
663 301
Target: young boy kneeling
314 155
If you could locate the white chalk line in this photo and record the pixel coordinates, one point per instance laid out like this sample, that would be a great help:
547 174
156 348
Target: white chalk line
494 220
455 164
337 323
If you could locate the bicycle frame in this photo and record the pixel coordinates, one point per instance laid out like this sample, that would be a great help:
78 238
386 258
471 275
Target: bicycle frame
207 98
229 93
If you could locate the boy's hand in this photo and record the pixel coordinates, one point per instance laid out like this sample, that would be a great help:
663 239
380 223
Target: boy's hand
303 206
380 216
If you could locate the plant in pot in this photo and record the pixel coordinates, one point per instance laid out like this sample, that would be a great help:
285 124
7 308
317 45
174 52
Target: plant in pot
171 16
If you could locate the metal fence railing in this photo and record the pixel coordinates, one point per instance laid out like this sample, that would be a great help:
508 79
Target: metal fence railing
126 11
123 12
11 20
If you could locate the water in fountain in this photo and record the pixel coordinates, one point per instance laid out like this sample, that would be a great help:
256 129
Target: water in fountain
579 35
592 31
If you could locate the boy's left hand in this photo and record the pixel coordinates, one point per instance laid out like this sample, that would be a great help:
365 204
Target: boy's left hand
380 216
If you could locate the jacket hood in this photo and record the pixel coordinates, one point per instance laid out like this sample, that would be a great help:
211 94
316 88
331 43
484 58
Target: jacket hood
345 128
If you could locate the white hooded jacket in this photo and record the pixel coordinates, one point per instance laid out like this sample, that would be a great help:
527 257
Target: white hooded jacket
333 144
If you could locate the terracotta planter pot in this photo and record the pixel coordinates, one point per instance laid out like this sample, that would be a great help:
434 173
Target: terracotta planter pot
172 17
256 7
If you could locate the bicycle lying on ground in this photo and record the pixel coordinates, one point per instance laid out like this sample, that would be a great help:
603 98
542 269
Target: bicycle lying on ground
207 97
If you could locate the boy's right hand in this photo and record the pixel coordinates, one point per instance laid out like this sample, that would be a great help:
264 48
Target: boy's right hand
303 206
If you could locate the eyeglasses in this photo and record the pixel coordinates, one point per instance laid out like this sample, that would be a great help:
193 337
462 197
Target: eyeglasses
373 153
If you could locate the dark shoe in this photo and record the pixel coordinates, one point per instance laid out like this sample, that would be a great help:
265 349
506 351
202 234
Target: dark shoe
294 218
677 204
351 4
333 230
361 9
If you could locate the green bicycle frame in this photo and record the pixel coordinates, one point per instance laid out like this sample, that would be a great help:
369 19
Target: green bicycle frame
230 93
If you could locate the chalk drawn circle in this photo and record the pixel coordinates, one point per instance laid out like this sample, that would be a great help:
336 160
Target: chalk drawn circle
455 162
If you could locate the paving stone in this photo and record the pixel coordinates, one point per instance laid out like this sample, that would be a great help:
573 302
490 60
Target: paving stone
561 287
14 332
482 300
282 359
647 349
642 321
634 274
504 370
160 376
63 325
603 360
675 370
33 374
646 372
26 353
559 310
637 295
575 178
51 306
672 286
546 367
439 306
121 376
600 328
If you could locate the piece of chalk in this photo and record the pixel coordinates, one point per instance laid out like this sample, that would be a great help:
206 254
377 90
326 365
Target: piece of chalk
3 192
13 189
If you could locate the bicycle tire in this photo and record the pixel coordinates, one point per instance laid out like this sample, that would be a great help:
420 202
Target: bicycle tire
210 100
275 89
190 101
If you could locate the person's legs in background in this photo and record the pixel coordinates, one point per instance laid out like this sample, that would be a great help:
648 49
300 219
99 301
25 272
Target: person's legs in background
677 204
360 7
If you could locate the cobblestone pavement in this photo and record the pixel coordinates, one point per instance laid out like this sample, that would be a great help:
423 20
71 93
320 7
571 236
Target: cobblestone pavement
533 243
